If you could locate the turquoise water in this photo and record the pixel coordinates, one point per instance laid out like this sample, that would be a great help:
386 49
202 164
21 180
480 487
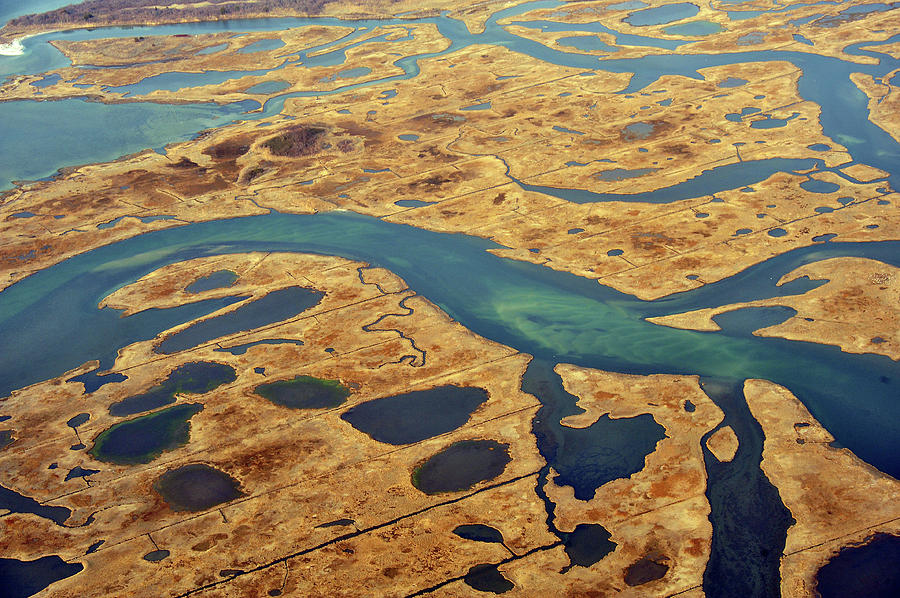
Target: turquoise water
694 28
268 87
69 132
660 15
262 46
587 43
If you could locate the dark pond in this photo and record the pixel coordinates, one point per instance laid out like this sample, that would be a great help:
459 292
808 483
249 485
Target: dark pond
197 487
196 377
565 130
732 82
586 458
78 420
275 307
19 579
400 419
479 533
304 392
772 123
17 503
215 280
487 578
6 438
156 555
870 570
93 380
461 465
587 544
144 438
337 523
738 116
79 472
413 203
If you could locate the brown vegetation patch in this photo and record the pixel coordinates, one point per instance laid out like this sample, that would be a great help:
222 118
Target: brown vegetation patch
185 163
299 140
649 568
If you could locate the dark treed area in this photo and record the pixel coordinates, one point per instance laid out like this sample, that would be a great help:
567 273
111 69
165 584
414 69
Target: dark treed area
154 11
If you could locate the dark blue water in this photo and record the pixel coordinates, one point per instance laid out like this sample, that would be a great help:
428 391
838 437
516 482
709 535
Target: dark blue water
219 279
19 579
749 520
16 503
194 378
274 307
398 419
144 438
869 570
196 487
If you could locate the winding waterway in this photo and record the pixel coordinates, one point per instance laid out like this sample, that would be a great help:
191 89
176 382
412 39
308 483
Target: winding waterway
555 316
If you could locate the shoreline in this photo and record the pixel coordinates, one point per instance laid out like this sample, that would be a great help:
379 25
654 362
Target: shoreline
16 47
